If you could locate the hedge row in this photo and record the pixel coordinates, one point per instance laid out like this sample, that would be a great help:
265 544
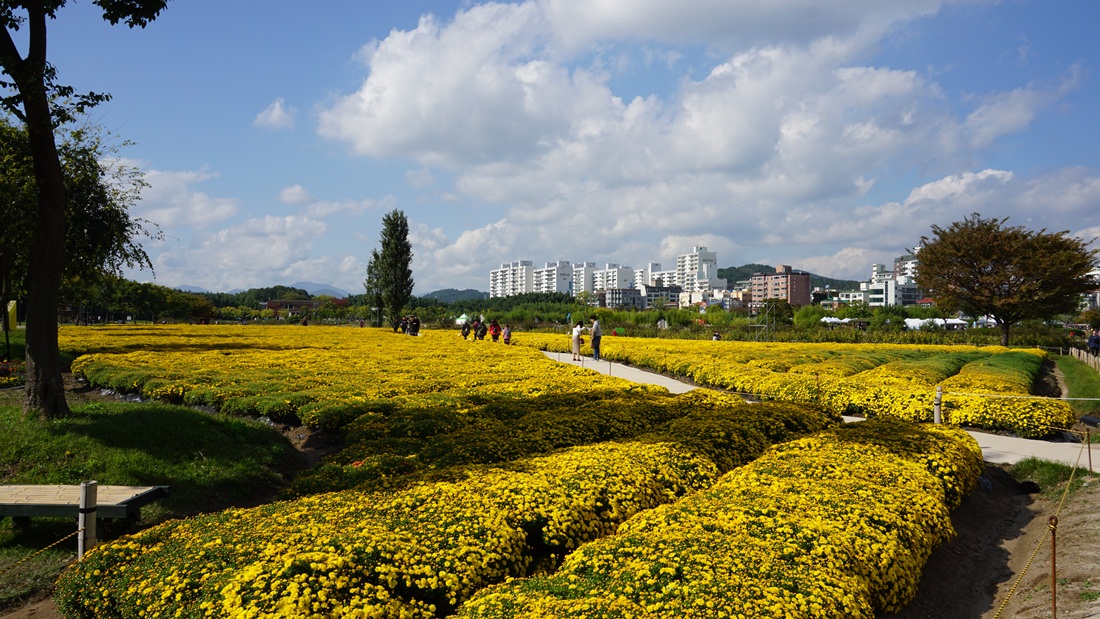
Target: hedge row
860 379
418 552
836 525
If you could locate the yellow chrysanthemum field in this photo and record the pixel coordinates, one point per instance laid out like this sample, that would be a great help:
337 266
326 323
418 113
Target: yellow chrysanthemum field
481 480
891 380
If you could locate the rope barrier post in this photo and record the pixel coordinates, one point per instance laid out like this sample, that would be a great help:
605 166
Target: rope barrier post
937 405
1088 446
86 518
1053 567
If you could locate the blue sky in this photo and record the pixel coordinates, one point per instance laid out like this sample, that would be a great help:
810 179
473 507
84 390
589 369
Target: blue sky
828 136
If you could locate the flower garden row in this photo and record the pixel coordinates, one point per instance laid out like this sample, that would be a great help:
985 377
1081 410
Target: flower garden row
422 550
863 379
421 526
839 524
405 406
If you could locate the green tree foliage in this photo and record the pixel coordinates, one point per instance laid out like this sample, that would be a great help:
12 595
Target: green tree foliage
394 262
775 312
33 95
809 316
983 268
253 297
373 285
1090 318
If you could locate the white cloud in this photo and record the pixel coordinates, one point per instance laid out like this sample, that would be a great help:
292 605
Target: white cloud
260 251
171 200
295 194
1003 113
326 209
276 116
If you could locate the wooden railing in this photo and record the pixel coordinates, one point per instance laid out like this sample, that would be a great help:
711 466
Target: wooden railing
1083 356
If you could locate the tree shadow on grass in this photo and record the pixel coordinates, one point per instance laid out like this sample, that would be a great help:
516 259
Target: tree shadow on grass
210 462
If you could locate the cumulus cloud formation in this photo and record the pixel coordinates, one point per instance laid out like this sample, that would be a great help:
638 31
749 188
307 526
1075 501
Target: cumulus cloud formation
245 255
771 131
171 200
276 116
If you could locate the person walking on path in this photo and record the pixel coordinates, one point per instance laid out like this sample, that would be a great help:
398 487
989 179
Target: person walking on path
507 334
577 329
494 331
466 330
1094 343
597 333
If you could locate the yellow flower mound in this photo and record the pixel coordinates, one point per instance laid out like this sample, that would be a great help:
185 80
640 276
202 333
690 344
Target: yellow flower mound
836 525
890 380
414 553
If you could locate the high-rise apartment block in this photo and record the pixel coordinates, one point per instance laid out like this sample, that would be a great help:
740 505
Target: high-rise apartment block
698 271
513 278
554 277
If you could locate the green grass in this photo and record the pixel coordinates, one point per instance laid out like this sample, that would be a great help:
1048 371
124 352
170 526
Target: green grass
1083 382
1051 477
209 462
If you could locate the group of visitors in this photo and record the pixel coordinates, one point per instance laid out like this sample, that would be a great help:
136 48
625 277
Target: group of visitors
409 325
595 331
479 329
1094 343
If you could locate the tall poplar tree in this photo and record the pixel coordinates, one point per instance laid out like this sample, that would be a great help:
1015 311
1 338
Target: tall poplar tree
392 265
374 289
35 97
983 268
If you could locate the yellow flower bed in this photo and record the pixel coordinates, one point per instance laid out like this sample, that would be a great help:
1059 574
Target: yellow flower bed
415 553
836 525
324 375
868 379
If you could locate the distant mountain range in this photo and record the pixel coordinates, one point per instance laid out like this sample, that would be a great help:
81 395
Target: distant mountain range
312 288
317 290
450 295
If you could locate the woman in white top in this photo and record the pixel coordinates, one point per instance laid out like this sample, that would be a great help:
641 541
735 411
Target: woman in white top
577 341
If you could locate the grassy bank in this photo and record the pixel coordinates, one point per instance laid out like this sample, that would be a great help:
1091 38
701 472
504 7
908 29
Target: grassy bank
209 463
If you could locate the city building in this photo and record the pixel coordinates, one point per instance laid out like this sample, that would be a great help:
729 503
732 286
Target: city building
612 277
698 271
516 277
623 298
787 284
554 277
584 277
656 297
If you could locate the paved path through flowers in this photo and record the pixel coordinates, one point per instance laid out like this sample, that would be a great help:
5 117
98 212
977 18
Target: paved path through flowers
996 448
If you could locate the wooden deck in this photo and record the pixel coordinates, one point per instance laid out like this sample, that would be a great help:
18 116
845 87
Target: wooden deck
64 501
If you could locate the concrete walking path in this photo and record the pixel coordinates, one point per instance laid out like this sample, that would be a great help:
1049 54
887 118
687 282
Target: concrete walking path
996 448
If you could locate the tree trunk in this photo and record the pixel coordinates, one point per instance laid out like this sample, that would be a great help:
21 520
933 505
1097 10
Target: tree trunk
45 391
1004 334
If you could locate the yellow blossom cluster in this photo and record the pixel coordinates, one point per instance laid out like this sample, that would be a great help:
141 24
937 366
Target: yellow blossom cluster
836 525
414 553
326 376
891 380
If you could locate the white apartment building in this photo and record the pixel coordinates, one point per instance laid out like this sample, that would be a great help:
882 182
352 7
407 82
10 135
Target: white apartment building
897 287
583 277
516 277
644 276
554 277
698 271
613 277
